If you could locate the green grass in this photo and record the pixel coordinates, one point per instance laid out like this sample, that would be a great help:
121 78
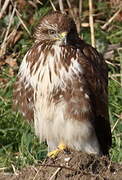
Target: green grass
18 144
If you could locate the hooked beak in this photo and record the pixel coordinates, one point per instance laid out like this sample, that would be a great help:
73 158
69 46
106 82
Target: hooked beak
62 37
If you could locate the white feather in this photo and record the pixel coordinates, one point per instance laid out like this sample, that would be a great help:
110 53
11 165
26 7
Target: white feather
50 121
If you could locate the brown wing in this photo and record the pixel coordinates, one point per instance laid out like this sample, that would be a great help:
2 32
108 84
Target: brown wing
23 96
23 99
23 93
96 75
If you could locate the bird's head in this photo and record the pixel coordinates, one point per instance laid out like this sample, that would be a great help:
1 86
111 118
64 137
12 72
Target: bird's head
58 28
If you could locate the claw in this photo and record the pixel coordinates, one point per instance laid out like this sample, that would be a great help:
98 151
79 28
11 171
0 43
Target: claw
62 146
54 153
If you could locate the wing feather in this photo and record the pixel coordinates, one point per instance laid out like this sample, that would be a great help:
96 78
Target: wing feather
96 76
23 93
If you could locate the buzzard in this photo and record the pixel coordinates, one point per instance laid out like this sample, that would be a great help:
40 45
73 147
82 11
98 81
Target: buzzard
62 88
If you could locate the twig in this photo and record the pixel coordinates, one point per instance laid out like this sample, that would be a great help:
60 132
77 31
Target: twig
117 135
70 7
58 169
58 166
120 57
111 19
3 46
14 170
79 18
72 169
80 7
54 8
110 63
38 171
21 21
114 126
115 81
61 5
13 33
119 116
85 24
19 17
3 100
38 1
4 8
115 75
3 168
91 23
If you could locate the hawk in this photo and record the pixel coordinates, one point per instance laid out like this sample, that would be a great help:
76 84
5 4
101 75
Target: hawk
62 88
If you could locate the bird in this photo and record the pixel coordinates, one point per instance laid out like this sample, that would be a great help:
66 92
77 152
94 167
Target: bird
62 87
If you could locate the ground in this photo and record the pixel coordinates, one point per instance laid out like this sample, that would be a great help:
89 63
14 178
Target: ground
69 166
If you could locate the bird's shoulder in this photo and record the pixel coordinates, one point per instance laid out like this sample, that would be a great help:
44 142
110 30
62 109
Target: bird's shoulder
94 66
95 76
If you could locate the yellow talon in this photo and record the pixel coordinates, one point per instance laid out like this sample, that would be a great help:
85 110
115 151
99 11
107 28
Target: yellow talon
62 146
54 153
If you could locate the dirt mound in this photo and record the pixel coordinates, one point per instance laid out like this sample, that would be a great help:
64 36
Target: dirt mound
70 166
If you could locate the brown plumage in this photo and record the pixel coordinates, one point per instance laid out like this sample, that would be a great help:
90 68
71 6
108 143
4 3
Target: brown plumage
62 87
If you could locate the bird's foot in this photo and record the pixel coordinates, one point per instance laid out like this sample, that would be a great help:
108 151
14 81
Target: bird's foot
60 148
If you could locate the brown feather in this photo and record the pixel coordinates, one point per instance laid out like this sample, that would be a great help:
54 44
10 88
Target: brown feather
64 86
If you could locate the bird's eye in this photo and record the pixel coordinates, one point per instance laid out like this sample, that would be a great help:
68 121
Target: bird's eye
52 32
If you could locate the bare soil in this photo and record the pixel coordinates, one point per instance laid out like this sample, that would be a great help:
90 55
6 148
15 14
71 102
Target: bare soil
70 166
